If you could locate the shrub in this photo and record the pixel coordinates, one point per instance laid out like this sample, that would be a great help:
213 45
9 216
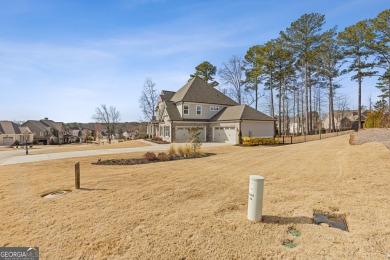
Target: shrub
180 151
172 151
35 142
163 156
194 139
157 138
52 142
240 137
374 119
150 156
251 141
16 143
187 151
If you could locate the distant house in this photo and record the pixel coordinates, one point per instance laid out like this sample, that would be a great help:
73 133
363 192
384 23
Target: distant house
11 132
217 117
46 131
345 119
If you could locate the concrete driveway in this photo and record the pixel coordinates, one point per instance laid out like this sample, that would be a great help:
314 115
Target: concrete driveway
14 157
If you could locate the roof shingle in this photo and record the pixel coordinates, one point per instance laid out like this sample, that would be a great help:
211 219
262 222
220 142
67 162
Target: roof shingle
241 112
196 90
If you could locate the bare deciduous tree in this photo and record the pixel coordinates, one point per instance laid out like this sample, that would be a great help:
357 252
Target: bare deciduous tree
148 99
231 74
108 117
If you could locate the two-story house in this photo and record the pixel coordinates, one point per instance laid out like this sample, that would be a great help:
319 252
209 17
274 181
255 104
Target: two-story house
218 118
46 130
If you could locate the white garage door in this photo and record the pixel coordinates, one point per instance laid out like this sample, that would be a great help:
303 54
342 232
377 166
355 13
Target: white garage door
8 140
183 136
225 134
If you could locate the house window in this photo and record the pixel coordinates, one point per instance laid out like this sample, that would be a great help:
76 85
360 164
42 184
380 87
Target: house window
214 108
186 110
161 130
166 131
198 110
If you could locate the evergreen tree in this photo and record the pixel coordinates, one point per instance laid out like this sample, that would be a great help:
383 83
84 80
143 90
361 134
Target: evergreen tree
381 45
329 67
355 40
206 71
253 64
304 36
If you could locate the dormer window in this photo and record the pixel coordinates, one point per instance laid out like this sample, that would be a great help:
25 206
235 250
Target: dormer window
186 110
198 110
214 108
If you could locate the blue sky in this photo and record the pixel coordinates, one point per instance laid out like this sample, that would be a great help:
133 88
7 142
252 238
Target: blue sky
62 59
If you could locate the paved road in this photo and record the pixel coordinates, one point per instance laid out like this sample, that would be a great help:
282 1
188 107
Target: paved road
14 157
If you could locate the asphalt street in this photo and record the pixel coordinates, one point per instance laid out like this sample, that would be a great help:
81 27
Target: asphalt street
16 157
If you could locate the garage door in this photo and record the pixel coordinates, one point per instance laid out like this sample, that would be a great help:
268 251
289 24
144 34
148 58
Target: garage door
225 134
182 135
8 140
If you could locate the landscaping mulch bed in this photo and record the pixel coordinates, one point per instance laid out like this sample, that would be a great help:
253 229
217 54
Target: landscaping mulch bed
145 161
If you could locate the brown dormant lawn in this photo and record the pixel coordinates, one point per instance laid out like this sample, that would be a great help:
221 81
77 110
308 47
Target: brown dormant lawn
196 209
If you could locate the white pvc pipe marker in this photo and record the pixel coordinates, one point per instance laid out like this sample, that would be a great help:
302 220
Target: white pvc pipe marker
255 198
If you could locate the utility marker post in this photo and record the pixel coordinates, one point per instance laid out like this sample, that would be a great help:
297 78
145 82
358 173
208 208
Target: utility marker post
77 175
255 197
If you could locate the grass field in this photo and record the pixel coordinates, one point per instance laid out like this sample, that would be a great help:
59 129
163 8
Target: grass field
196 209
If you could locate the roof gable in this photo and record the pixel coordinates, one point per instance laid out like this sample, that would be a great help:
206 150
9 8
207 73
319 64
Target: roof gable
167 95
198 91
8 127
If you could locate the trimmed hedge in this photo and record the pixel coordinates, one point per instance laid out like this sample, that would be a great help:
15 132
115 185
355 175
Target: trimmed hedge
252 141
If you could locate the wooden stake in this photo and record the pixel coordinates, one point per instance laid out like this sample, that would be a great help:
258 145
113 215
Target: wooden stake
77 175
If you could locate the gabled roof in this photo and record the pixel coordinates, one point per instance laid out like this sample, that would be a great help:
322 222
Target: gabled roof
36 126
8 127
56 125
241 112
196 90
167 95
172 111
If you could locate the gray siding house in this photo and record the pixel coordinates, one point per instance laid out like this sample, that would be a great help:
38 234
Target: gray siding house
46 130
218 118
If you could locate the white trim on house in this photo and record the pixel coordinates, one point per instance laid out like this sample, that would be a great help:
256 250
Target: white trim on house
186 107
178 128
198 110
230 133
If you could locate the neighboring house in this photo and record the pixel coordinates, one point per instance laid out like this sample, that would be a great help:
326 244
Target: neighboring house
11 132
345 119
218 118
46 130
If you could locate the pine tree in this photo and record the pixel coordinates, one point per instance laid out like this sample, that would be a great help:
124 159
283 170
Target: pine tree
206 71
355 40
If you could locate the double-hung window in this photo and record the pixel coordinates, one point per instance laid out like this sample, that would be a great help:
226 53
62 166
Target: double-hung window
186 110
198 110
166 130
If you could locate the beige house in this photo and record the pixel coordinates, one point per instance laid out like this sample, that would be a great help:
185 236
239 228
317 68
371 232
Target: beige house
11 132
217 117
345 119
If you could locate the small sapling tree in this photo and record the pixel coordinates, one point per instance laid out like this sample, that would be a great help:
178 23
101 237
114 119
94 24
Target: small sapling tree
194 139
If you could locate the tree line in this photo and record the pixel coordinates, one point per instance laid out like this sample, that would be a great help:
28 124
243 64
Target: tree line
300 70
